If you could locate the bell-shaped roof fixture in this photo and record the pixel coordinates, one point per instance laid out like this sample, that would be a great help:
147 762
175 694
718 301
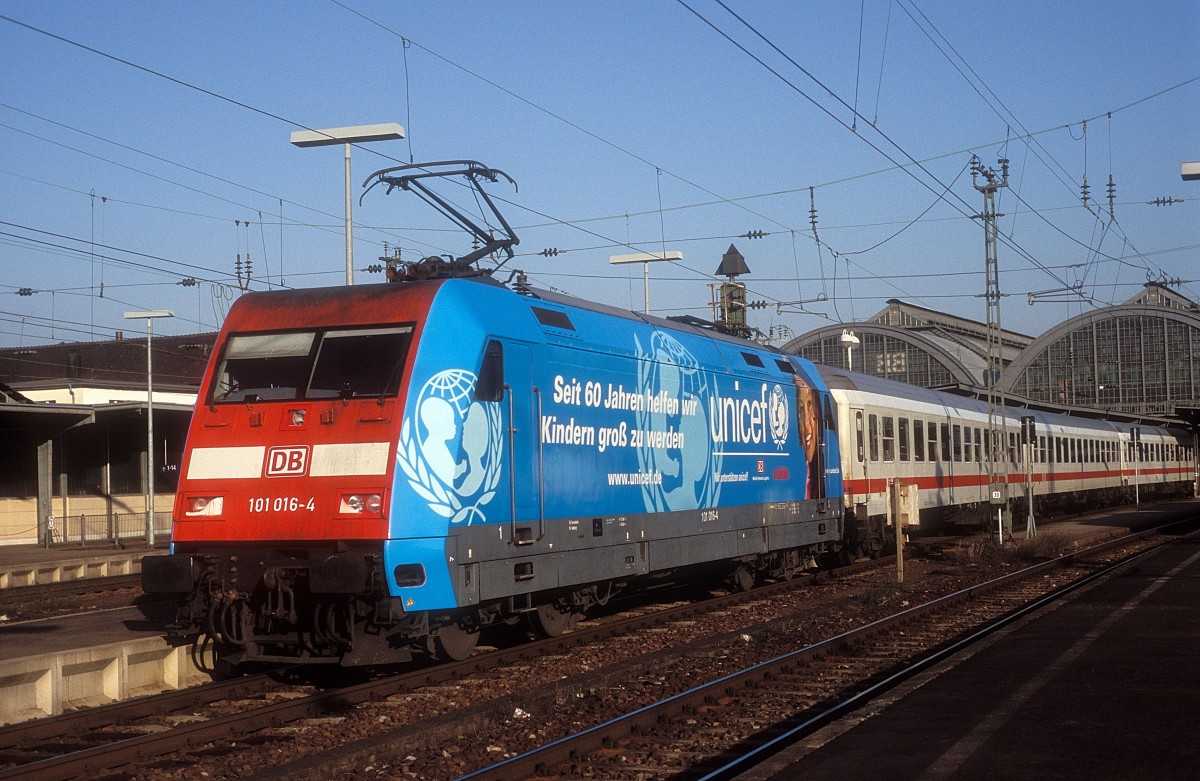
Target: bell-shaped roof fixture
733 264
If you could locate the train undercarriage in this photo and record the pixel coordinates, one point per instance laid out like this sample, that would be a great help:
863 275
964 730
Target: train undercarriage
265 605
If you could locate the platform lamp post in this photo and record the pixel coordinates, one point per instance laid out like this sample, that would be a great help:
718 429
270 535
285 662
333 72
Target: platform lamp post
150 317
645 258
356 134
848 340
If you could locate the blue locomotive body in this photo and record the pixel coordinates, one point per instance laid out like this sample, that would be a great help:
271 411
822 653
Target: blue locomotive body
548 444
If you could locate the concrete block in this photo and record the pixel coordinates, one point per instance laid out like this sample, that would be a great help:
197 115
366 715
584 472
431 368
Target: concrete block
36 686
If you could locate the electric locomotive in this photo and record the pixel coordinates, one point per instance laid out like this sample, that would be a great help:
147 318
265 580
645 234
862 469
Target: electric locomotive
378 471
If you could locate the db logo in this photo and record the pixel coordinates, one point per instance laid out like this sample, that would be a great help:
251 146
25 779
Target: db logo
287 461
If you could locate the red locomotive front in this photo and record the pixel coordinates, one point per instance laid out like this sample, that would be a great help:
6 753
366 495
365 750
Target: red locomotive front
293 438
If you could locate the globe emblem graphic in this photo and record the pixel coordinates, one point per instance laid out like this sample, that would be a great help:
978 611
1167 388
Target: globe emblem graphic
450 447
777 413
687 474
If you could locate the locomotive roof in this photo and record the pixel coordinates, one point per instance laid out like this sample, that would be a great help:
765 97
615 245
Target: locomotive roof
657 322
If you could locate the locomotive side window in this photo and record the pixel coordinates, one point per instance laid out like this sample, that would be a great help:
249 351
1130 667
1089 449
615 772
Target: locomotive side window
490 386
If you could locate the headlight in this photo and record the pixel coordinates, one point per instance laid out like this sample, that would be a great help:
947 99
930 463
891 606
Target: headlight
198 506
361 504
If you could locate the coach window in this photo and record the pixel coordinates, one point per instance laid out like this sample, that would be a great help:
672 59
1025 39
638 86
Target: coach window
1042 449
873 435
978 446
902 432
966 455
946 442
918 440
958 442
889 438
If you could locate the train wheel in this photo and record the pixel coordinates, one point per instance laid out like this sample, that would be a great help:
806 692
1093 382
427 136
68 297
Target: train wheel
743 578
455 642
549 621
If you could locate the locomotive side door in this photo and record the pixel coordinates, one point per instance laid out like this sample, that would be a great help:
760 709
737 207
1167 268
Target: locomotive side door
522 414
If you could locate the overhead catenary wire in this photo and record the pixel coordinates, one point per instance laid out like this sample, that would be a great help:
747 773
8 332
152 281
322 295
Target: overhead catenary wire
661 210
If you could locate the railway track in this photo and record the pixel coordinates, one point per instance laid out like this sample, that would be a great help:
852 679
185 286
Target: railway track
23 603
728 725
416 720
94 740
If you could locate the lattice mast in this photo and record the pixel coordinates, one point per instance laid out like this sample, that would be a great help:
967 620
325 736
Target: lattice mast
998 460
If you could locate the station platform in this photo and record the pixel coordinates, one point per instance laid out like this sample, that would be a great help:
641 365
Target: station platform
88 658
30 565
1103 686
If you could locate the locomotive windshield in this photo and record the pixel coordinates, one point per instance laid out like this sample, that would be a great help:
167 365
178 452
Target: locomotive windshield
320 364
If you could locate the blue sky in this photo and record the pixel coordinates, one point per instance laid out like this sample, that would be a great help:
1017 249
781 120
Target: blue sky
143 144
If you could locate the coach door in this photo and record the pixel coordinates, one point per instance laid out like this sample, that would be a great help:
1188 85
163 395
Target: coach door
860 472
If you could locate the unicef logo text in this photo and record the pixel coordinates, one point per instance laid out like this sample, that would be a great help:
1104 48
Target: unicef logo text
450 447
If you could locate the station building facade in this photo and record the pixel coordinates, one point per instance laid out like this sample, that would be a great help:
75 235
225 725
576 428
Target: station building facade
1140 358
74 421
